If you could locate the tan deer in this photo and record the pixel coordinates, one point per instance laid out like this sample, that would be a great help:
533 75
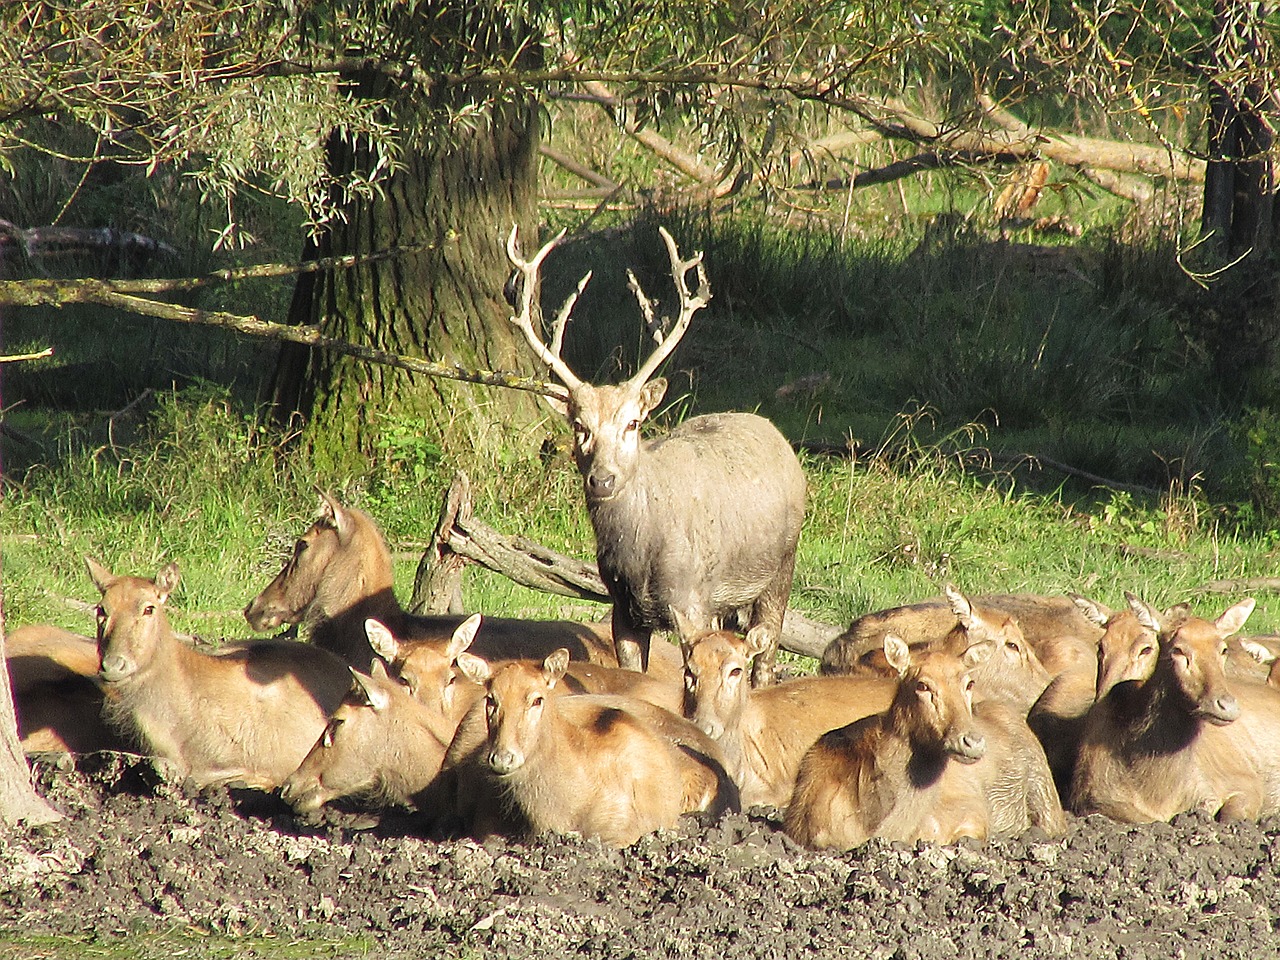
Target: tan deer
1185 738
246 714
602 766
765 731
340 575
934 766
704 520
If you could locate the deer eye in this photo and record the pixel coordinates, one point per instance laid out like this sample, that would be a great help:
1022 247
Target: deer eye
149 609
968 685
536 702
632 426
735 673
101 614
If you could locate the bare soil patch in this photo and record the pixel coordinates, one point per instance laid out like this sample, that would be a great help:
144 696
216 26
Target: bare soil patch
140 853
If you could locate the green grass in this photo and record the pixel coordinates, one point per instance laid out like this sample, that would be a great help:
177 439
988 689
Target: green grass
207 488
190 944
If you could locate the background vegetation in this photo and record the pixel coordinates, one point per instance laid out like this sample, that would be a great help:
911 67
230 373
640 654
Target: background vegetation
1047 402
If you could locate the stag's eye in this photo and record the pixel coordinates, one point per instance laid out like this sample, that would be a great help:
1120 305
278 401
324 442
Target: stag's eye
735 673
149 609
632 426
536 702
102 614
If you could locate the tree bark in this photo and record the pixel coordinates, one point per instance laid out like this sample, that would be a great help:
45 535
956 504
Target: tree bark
19 802
461 187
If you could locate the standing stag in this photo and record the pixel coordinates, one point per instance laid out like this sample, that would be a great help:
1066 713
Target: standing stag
703 521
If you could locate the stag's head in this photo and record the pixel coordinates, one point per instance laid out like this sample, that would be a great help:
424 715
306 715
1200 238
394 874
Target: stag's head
606 419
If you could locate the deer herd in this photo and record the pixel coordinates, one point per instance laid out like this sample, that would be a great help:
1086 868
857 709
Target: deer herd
953 717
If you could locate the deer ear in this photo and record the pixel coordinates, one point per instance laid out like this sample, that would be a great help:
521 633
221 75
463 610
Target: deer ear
897 653
463 636
1234 617
960 606
651 395
474 669
560 407
685 628
102 577
167 580
1145 613
978 652
370 693
757 640
555 665
382 640
1093 612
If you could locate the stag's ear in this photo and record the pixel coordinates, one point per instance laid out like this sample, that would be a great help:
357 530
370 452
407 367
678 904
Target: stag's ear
1234 617
102 577
560 407
382 640
474 669
1095 613
897 653
651 395
554 666
462 636
167 580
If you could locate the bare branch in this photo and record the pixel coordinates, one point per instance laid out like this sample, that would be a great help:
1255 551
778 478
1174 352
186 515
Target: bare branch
59 293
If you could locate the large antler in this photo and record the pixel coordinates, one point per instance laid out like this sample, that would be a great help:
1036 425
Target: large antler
528 297
689 305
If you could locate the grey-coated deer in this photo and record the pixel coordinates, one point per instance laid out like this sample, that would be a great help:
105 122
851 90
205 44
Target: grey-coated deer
934 766
704 520
603 766
340 575
247 714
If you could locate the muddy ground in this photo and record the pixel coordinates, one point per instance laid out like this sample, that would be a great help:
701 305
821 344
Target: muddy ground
140 853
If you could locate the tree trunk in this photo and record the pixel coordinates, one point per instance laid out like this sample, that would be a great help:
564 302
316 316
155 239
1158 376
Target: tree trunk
1240 181
19 802
461 187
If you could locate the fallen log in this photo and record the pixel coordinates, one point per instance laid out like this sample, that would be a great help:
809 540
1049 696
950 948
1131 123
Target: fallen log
460 539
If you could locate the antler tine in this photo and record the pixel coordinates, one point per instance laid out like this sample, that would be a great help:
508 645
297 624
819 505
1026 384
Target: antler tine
689 305
528 296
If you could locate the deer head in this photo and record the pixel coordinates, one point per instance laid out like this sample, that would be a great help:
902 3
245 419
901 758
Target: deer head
606 419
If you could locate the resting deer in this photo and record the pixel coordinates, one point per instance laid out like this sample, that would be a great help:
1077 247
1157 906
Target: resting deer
704 520
603 766
934 766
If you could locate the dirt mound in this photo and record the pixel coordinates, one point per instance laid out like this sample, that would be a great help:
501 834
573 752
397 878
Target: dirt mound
139 852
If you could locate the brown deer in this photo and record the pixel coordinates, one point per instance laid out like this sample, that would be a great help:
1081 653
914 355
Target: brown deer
934 766
1059 633
1009 671
381 744
247 714
602 766
340 575
53 675
704 520
1185 738
1126 652
765 731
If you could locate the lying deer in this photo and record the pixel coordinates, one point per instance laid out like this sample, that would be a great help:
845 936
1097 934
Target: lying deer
765 731
340 575
381 744
1008 671
1057 630
247 714
602 766
934 766
1185 738
704 520
53 675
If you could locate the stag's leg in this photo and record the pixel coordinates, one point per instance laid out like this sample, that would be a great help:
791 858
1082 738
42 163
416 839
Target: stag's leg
630 643
767 613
